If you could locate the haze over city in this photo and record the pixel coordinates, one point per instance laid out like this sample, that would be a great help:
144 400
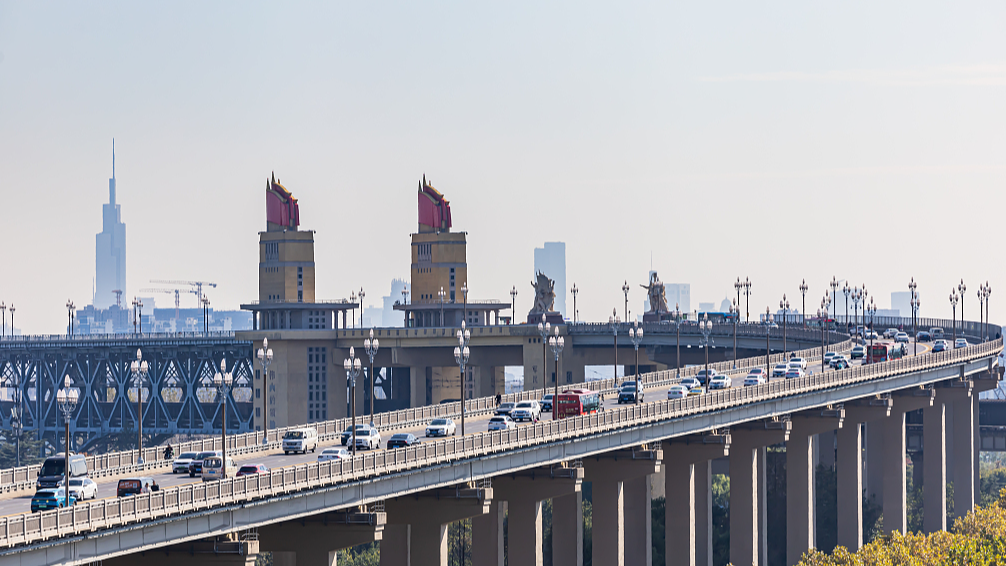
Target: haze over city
778 143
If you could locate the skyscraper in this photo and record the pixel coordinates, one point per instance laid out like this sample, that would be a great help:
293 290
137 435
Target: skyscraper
110 250
551 260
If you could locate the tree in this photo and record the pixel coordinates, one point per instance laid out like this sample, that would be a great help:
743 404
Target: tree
30 449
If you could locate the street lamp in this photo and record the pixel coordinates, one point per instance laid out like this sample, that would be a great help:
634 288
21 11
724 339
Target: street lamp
139 369
545 329
264 356
69 318
857 297
784 305
12 318
822 314
370 346
738 286
706 328
353 367
3 310
988 291
872 310
362 295
206 314
735 313
405 301
67 398
513 302
223 381
636 335
442 296
825 303
613 323
916 303
960 289
625 289
803 311
677 343
747 300
834 297
558 343
954 299
461 354
847 290
769 319
352 300
574 290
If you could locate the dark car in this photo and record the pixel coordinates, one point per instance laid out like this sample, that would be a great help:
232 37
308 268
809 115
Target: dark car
134 486
546 403
249 469
402 440
504 408
196 465
627 394
923 336
51 474
940 346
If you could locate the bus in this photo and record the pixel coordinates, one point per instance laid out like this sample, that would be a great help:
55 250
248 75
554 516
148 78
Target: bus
885 351
576 402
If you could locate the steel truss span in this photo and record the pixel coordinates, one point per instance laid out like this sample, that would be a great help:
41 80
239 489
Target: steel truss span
178 393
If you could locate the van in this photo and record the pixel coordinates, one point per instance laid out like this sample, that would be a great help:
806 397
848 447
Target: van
51 473
133 486
937 333
300 440
213 468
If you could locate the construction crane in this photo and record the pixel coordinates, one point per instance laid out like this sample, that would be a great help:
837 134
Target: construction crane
197 286
176 292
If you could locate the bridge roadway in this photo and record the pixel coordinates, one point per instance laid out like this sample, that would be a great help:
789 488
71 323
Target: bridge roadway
15 503
756 416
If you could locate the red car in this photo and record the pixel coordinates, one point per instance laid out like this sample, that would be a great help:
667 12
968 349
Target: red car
249 469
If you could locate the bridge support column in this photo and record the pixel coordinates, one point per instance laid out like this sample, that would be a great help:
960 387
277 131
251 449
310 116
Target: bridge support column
964 456
800 513
315 541
895 496
395 545
874 461
567 530
850 468
200 553
638 521
487 535
934 447
417 386
746 481
427 516
687 484
608 474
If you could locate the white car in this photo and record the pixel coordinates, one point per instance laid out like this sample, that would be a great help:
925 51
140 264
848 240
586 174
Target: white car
901 337
83 488
335 453
690 382
802 363
721 381
780 370
961 343
754 379
441 427
890 333
501 422
180 465
526 411
369 439
677 392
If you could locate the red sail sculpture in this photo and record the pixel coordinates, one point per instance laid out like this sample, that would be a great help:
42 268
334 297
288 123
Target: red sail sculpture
281 209
434 209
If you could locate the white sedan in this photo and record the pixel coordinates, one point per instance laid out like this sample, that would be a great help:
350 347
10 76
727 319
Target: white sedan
84 488
721 381
441 427
338 453
754 379
677 392
501 422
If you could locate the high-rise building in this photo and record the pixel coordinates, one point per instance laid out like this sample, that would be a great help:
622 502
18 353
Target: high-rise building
390 317
679 294
551 260
110 251
901 301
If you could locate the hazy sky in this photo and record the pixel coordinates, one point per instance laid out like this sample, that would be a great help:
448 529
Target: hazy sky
776 141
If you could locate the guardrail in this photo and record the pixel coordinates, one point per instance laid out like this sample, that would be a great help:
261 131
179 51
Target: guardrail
22 338
108 513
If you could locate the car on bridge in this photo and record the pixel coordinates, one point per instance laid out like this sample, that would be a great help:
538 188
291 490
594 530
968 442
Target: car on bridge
839 362
441 427
940 346
627 393
902 337
526 411
180 465
46 499
755 378
215 469
923 336
251 469
83 488
196 465
780 370
677 392
795 372
546 403
300 440
402 440
721 381
346 434
369 439
696 391
802 363
890 333
501 422
828 356
504 408
704 375
689 382
334 453
961 343
937 333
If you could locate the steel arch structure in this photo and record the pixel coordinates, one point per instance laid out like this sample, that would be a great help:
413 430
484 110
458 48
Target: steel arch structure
178 392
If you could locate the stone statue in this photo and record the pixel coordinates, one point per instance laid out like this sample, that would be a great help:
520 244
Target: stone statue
655 292
544 294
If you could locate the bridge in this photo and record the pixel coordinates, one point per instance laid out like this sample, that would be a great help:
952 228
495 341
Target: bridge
406 497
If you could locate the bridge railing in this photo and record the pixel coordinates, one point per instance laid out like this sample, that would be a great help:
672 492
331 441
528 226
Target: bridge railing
22 338
107 513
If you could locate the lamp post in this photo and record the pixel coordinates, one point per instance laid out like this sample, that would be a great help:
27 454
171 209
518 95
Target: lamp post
352 300
139 369
872 310
625 289
544 329
747 300
915 303
784 305
139 318
464 294
960 289
135 303
3 310
857 296
636 335
12 318
370 346
738 286
846 290
677 343
834 297
736 314
825 302
353 367
706 328
461 353
574 290
69 318
822 314
206 314
557 343
264 356
988 291
223 381
803 311
67 398
953 306
513 302
361 295
769 319
405 301
613 323
442 295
